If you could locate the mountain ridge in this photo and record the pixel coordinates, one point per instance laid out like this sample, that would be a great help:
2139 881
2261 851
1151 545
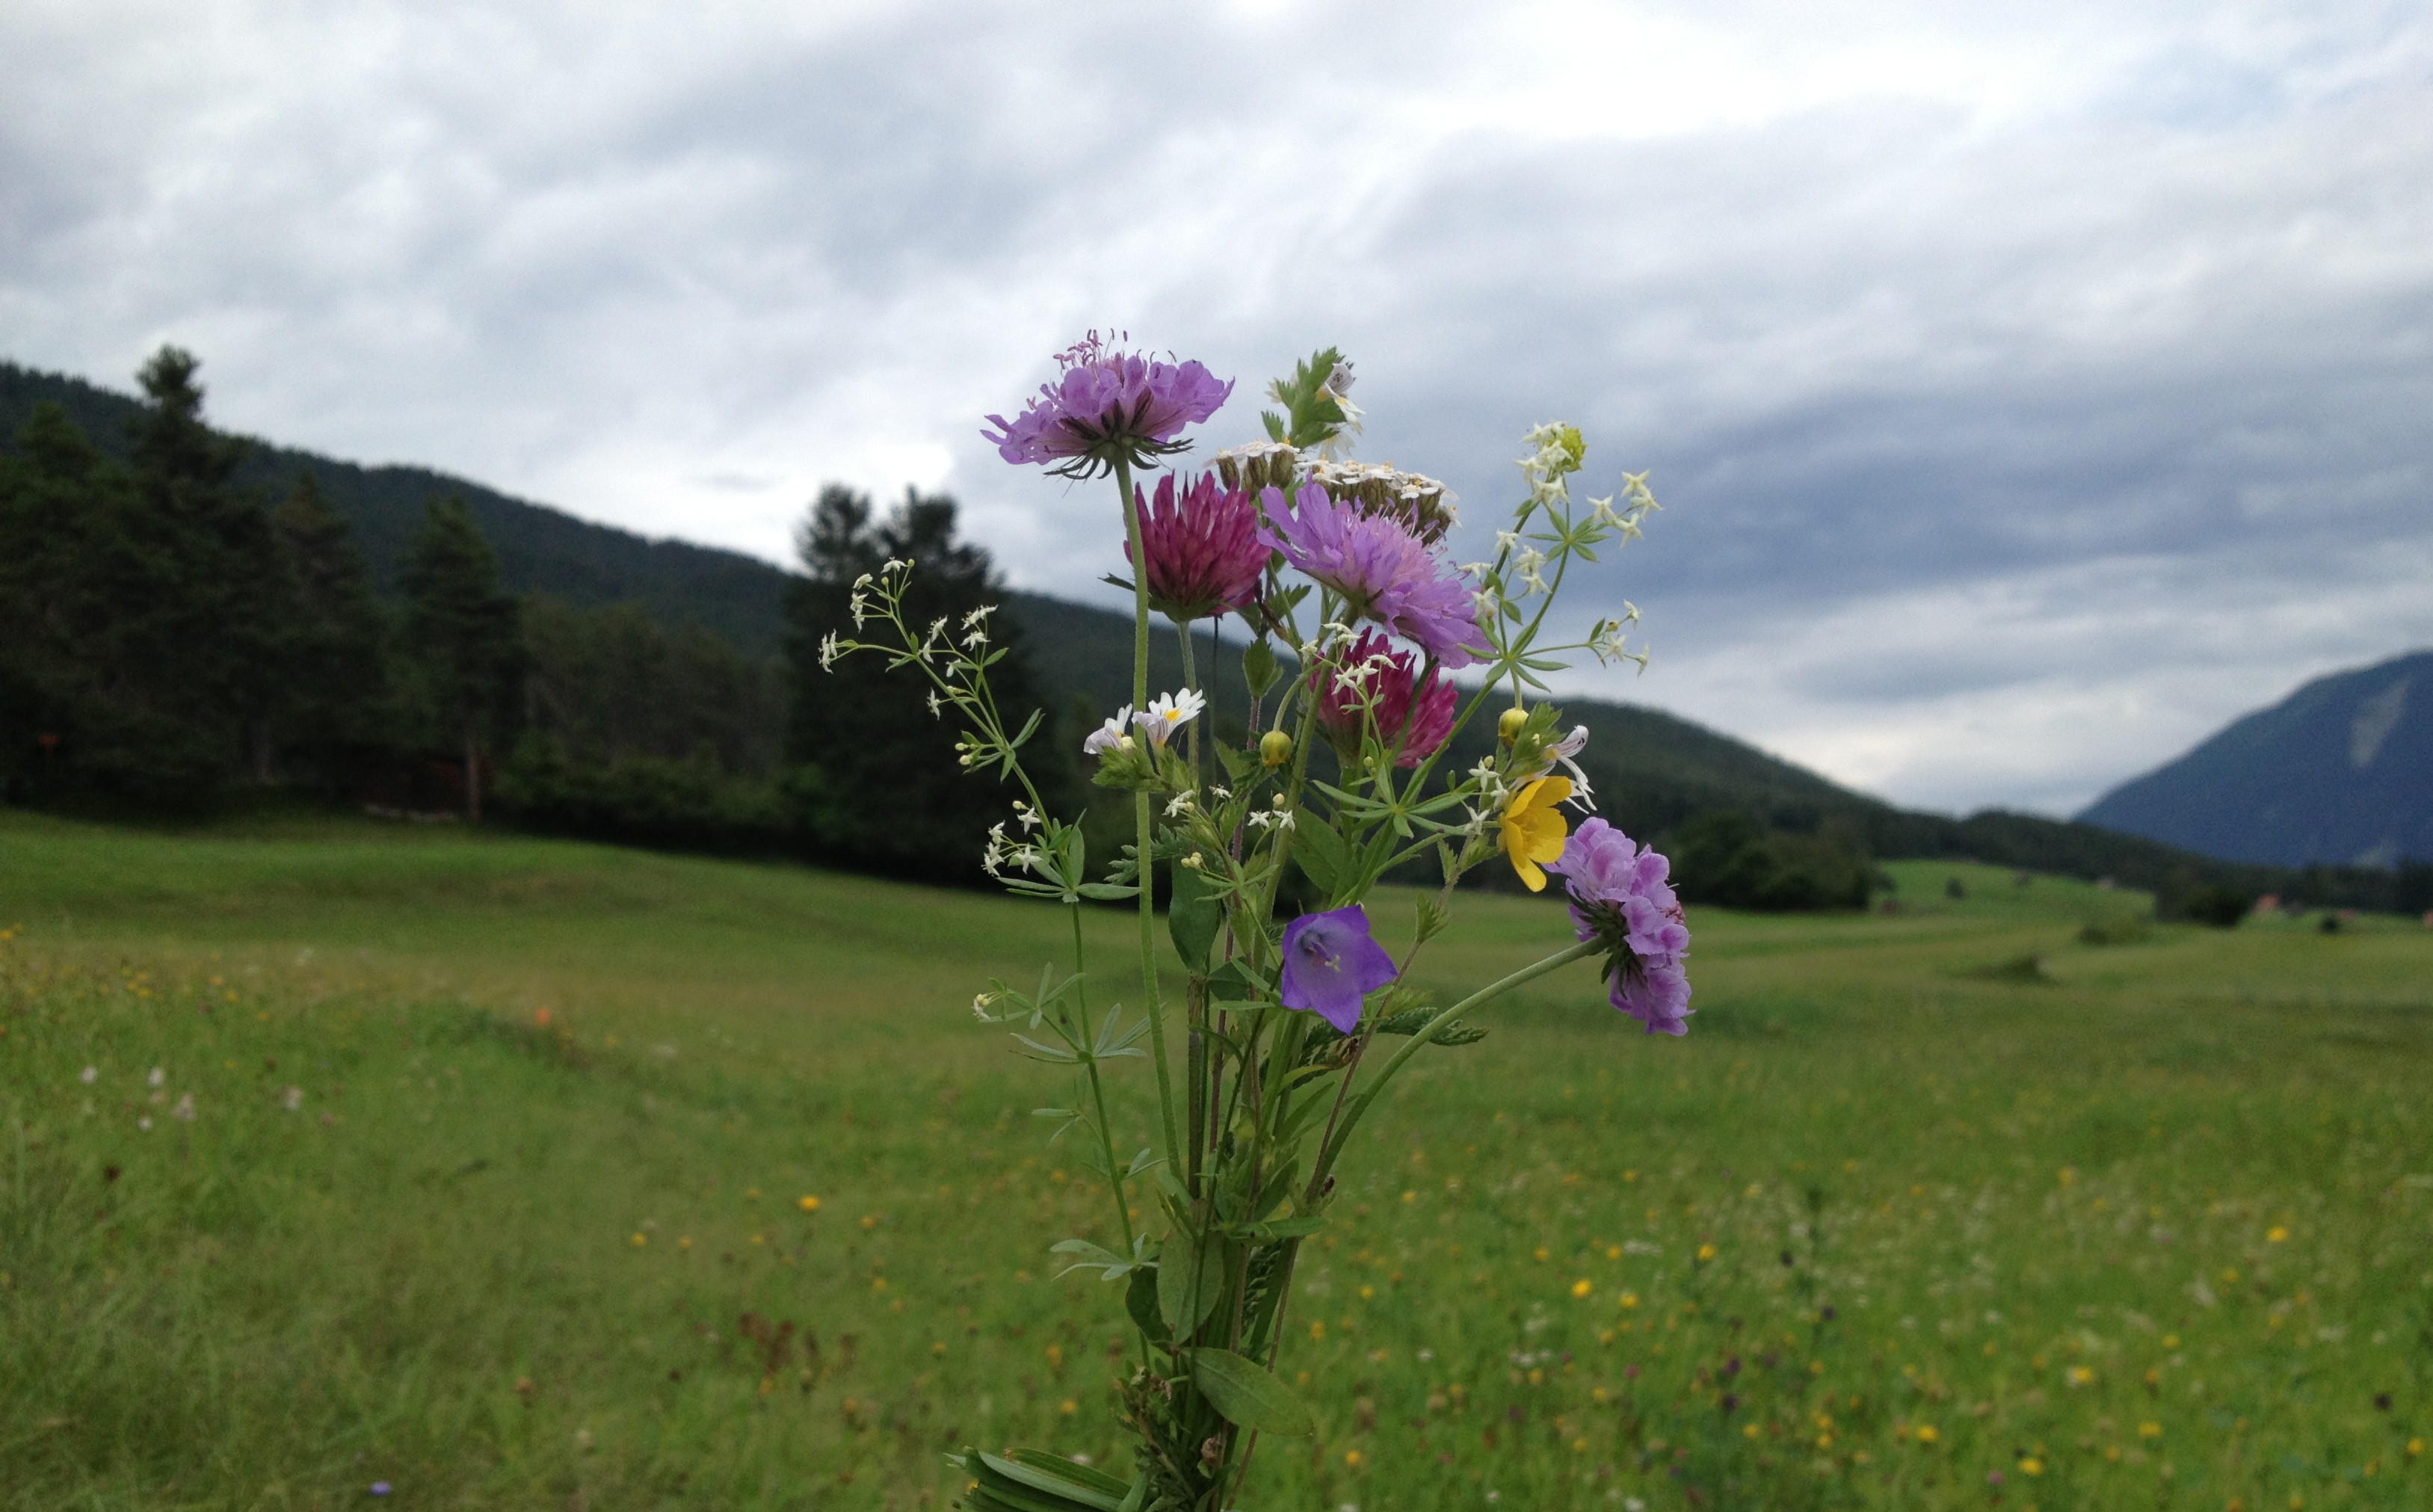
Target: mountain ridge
2340 771
1652 769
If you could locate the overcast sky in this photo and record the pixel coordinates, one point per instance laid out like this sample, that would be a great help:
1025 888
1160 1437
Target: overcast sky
2031 389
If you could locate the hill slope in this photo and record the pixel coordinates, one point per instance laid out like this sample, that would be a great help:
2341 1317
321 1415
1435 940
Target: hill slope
1650 769
540 550
2340 771
1671 765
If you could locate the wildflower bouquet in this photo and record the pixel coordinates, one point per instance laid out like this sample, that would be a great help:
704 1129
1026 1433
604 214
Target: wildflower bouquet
1338 568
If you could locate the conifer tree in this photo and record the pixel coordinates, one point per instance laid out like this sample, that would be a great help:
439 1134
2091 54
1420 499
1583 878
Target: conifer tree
464 634
223 618
333 707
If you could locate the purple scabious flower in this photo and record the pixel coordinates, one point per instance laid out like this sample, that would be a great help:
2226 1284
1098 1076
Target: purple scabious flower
1108 406
1417 710
1385 572
1330 964
1620 895
1202 543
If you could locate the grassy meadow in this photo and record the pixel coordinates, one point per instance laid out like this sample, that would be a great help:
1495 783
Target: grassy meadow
506 1173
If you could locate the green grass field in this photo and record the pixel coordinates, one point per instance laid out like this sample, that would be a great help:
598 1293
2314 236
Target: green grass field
334 1154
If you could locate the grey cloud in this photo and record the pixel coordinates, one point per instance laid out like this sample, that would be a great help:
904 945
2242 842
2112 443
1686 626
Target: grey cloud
1965 385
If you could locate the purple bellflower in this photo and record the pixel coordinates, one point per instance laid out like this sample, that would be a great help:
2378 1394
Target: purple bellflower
1620 895
1330 964
1419 717
1109 405
1385 572
1205 557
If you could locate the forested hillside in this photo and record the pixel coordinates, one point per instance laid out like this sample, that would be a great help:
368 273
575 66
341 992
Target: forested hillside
647 693
2340 771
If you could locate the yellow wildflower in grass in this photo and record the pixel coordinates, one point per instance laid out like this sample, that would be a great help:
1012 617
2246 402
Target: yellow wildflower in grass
2275 1235
1068 1407
1927 1434
1706 1252
640 1239
1352 1459
2150 1430
1533 828
808 1204
2032 1465
1582 1287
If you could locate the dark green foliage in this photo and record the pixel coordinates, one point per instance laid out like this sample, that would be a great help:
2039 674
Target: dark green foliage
694 804
540 551
143 604
462 637
2121 929
638 735
889 791
334 719
610 684
1725 858
2214 904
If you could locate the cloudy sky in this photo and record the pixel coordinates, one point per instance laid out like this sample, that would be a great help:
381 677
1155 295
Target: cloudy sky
2030 388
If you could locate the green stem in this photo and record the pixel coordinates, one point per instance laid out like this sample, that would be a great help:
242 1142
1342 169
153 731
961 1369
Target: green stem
1098 1091
1144 831
1360 1105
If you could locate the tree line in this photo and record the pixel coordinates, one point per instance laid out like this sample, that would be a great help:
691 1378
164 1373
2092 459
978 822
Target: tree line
171 641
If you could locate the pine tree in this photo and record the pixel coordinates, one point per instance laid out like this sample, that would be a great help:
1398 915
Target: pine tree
224 619
334 709
464 634
890 789
107 667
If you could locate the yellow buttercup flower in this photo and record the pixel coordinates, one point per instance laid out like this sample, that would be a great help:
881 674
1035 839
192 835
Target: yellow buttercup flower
1534 828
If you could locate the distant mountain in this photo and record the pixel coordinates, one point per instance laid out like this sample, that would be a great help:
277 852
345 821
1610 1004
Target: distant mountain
2339 772
1650 769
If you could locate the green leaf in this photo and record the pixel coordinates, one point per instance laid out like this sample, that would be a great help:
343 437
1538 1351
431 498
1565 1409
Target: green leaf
1073 1473
1197 914
1247 1395
1064 1482
1300 1228
1234 982
1140 1301
1106 892
1190 1275
1087 1256
1320 852
1259 667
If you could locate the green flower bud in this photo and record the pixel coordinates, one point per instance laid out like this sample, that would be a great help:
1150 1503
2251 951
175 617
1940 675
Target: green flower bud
1275 749
1508 729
